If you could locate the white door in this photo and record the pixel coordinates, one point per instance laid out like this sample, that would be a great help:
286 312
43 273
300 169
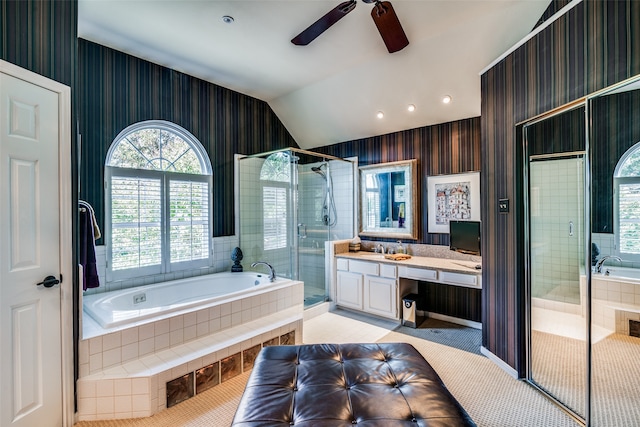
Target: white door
31 362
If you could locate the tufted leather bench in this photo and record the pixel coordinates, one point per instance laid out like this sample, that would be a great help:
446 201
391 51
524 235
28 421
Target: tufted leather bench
336 385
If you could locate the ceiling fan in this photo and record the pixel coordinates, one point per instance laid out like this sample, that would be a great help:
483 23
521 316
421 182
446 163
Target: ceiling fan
383 16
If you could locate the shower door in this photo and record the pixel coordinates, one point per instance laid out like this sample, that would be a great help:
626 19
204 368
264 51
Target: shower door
558 327
324 212
555 201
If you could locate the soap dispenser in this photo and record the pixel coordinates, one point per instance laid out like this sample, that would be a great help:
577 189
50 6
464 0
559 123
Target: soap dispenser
400 248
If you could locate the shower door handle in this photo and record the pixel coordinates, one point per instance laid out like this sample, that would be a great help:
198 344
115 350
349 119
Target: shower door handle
303 234
570 228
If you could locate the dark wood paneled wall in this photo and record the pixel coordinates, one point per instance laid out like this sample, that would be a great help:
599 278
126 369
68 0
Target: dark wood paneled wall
596 44
117 90
441 149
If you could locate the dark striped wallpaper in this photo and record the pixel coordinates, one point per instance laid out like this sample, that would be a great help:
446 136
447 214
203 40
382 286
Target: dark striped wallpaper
117 90
441 149
594 45
618 130
41 36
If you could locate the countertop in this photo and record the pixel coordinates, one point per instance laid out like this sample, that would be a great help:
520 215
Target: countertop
442 264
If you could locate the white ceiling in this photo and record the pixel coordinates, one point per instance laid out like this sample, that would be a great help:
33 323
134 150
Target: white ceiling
329 91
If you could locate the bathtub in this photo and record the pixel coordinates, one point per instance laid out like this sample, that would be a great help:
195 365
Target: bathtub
161 300
623 273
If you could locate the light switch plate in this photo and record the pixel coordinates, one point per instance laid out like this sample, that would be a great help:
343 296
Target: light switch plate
503 205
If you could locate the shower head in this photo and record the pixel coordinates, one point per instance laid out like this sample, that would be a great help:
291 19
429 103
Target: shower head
319 171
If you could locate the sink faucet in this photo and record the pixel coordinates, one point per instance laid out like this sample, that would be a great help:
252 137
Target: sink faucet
379 248
272 271
603 259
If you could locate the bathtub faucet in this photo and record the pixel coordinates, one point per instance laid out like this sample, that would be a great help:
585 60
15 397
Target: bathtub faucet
272 271
603 259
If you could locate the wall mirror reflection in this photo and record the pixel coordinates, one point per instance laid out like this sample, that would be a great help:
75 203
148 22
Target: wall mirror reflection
614 138
388 200
582 188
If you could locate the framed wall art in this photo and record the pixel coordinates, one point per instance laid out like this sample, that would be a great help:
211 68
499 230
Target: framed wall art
450 197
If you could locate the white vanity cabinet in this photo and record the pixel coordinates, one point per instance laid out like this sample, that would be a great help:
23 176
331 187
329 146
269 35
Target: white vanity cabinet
381 296
349 290
368 286
366 282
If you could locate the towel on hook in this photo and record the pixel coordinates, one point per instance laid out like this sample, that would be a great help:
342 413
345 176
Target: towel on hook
94 222
87 248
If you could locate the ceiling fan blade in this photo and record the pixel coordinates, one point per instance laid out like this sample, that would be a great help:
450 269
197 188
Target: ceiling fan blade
389 26
322 24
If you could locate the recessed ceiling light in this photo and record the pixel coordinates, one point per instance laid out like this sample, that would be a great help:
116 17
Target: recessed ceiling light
227 19
446 99
411 108
380 114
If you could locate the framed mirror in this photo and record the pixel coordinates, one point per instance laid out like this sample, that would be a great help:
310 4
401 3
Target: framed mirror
388 200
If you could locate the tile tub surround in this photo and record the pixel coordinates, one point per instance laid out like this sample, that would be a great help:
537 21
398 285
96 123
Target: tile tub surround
123 374
615 301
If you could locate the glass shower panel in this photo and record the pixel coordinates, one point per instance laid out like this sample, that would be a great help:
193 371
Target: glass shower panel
558 327
291 203
325 212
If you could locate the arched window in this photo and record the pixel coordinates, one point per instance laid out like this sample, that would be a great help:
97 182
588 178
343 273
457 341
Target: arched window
158 190
626 179
275 176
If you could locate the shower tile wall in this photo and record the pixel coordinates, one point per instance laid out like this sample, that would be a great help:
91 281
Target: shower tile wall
605 242
343 185
556 200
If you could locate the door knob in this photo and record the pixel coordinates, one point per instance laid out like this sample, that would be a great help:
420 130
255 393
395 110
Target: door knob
48 282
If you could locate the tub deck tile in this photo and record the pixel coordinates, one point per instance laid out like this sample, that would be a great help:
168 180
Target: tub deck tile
155 369
154 363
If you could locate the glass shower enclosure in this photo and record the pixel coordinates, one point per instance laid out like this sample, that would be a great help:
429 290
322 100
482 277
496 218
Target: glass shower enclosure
290 203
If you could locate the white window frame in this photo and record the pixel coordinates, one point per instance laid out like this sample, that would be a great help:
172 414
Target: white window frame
617 181
282 181
277 186
165 178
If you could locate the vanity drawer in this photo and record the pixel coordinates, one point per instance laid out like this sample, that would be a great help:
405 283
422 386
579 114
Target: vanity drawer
388 270
342 264
470 280
418 273
363 267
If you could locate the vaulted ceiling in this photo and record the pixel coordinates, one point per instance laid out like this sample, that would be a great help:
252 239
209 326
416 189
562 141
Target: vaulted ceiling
330 90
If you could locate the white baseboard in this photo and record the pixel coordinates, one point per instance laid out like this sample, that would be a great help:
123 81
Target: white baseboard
501 363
